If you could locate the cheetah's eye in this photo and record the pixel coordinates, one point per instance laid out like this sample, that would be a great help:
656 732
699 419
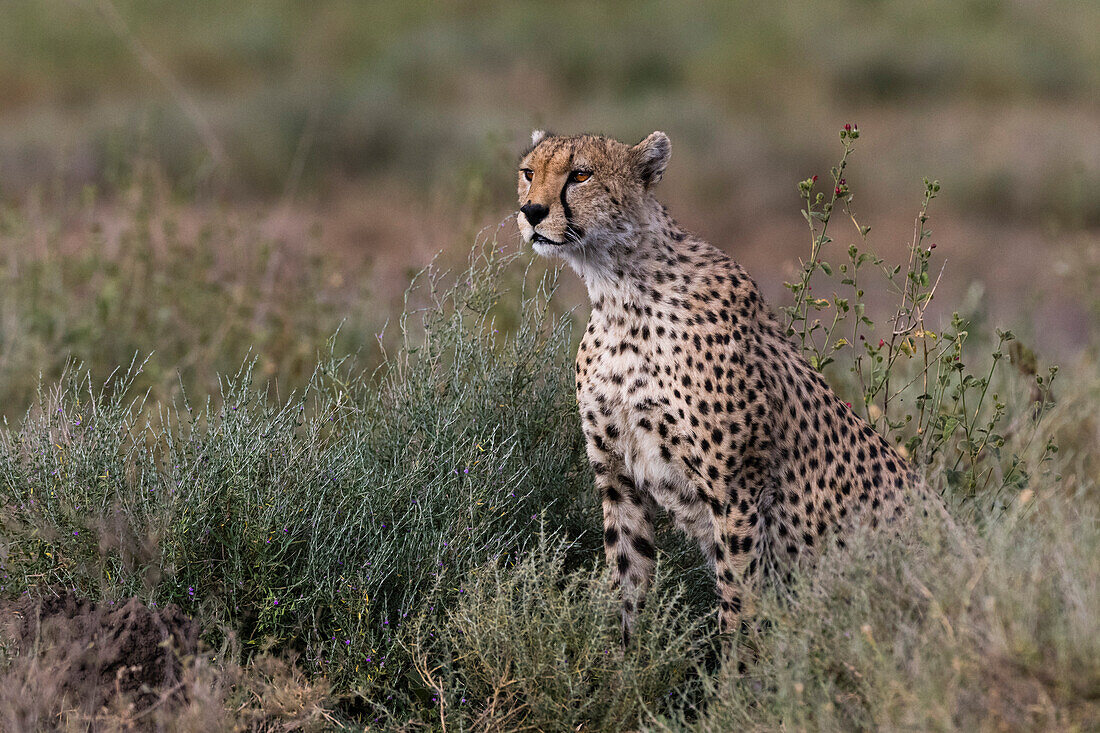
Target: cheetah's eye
527 173
579 176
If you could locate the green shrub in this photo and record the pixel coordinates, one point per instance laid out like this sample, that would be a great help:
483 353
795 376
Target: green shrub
529 644
972 425
320 523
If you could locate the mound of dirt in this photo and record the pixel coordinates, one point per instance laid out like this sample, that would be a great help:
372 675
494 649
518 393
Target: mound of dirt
101 651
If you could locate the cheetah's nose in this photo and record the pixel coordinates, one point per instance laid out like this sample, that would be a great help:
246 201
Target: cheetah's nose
534 212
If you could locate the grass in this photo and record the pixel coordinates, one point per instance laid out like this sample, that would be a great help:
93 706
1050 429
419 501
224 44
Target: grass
107 280
409 539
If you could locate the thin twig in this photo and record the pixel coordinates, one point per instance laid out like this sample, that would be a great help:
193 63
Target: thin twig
301 154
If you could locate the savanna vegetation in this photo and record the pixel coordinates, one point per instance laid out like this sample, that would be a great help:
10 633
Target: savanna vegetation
374 504
410 540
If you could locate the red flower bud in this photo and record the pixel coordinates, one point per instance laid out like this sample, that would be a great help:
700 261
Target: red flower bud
881 343
933 246
814 179
837 190
848 127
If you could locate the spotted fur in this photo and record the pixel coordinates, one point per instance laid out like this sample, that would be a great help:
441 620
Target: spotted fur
691 397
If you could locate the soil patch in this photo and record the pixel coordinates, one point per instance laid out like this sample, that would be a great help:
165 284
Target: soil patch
97 652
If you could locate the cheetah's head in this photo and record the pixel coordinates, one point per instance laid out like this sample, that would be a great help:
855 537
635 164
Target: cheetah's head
581 193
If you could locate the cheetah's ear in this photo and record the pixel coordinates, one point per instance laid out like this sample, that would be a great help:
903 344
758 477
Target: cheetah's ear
537 137
650 157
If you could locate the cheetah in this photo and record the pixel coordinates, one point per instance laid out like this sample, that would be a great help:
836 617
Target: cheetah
691 397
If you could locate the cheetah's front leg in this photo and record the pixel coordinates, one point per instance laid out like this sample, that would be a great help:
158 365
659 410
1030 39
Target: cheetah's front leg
628 539
737 564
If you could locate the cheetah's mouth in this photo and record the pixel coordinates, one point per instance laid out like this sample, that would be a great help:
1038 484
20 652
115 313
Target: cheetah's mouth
537 238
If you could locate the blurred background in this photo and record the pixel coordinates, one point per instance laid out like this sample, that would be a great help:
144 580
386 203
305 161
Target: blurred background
205 180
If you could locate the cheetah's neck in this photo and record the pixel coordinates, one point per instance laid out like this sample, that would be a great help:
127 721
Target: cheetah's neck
626 268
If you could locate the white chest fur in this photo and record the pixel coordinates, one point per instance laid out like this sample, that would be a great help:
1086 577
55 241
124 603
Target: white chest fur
621 383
